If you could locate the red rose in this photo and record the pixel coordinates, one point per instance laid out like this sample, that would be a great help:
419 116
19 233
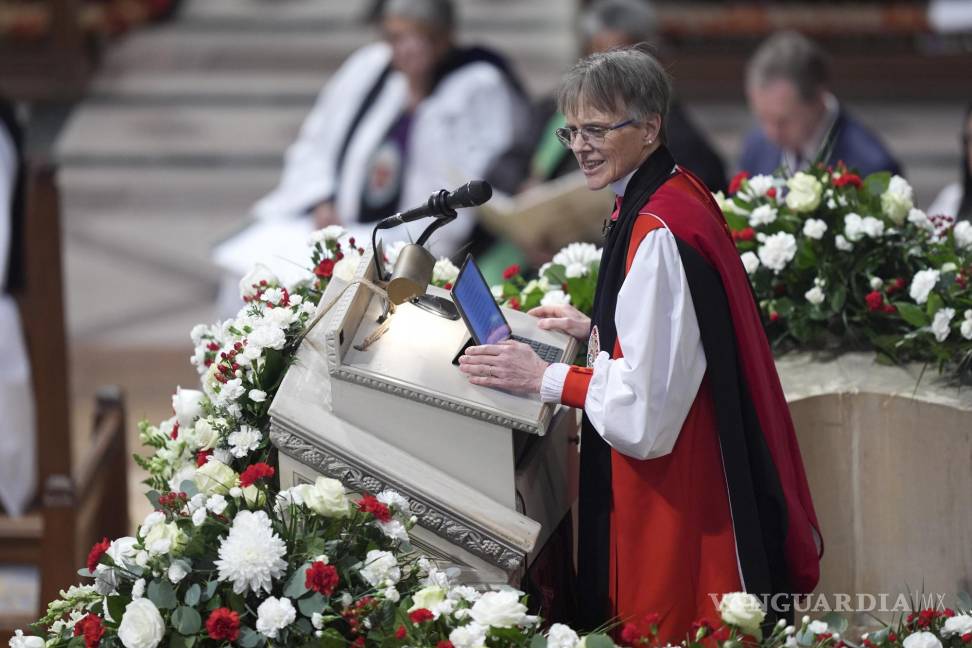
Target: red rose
255 473
448 285
97 551
511 271
223 624
400 632
369 504
848 179
421 615
321 578
325 268
92 628
875 300
737 181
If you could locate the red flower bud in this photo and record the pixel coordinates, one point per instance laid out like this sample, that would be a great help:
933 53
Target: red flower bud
511 271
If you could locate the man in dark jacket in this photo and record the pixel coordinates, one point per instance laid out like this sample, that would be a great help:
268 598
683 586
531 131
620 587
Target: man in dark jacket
799 121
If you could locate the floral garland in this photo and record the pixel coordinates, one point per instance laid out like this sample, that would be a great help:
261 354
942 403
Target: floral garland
228 558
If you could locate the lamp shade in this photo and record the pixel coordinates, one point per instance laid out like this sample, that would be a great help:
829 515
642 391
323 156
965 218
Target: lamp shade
411 275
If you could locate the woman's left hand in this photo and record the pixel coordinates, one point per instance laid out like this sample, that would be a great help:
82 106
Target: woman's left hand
512 366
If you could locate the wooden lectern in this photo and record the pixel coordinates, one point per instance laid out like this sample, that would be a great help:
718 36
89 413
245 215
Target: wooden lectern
382 405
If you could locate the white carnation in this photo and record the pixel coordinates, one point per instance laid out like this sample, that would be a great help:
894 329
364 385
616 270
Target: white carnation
815 295
922 284
244 441
273 615
940 324
554 298
380 568
872 227
266 336
920 220
444 271
762 215
963 235
758 185
814 228
251 555
853 227
394 500
843 244
329 233
777 250
960 624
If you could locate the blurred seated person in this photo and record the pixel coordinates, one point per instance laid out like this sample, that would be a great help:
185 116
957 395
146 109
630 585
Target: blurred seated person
398 121
17 436
605 25
956 199
798 119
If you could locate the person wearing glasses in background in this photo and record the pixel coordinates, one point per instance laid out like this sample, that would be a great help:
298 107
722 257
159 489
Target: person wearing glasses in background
399 120
691 480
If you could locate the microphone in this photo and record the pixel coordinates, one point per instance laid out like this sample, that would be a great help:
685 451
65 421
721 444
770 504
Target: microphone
443 204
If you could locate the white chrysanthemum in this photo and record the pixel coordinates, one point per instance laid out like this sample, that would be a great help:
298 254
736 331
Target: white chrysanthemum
583 253
922 284
380 568
777 250
251 555
577 270
444 271
273 615
244 441
554 298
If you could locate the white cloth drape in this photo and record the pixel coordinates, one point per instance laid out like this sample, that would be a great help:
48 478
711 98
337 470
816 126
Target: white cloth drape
18 464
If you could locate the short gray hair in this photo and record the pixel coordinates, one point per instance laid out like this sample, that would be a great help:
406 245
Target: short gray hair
790 56
622 80
636 18
437 13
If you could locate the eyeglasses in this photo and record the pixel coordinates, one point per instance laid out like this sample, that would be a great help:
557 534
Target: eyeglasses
589 134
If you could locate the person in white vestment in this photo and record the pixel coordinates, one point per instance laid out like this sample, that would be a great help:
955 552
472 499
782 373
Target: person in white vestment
18 464
398 121
956 198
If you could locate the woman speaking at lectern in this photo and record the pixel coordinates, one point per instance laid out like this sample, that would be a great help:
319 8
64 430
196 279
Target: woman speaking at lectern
691 478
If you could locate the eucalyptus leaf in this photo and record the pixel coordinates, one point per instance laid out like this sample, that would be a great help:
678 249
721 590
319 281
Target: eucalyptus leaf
193 595
211 588
249 638
153 498
598 640
188 486
186 620
538 641
295 587
308 606
161 593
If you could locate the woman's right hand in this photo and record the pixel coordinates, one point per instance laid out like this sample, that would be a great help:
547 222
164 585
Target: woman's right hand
565 318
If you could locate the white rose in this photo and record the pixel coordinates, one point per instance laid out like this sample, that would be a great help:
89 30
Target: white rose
555 297
346 267
922 284
178 570
20 640
427 598
921 640
499 610
187 404
963 235
204 435
151 520
251 284
805 192
471 635
744 611
562 636
815 295
325 497
273 615
215 477
897 201
199 517
957 625
762 215
777 250
843 244
165 538
814 228
380 568
141 625
940 324
750 261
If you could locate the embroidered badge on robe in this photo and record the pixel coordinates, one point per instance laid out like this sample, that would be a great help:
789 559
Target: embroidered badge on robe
593 346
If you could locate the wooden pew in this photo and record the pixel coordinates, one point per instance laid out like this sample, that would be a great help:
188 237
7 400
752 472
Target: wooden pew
82 496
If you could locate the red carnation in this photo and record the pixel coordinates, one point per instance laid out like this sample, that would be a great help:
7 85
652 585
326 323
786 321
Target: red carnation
421 615
97 551
511 271
223 624
370 504
255 473
771 192
325 268
874 300
321 578
745 234
967 637
202 457
400 632
848 179
92 628
737 181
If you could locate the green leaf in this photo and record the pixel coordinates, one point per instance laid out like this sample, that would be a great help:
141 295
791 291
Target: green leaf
598 641
193 595
116 606
331 639
935 303
308 606
186 620
236 602
176 640
214 602
912 314
274 364
162 594
295 587
211 588
249 638
877 183
76 642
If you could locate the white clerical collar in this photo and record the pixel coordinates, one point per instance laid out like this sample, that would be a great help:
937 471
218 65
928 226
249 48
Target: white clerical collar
618 186
815 144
